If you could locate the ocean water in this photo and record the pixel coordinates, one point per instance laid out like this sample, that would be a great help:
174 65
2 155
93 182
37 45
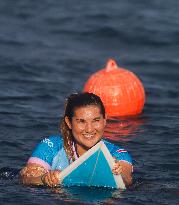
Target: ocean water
48 49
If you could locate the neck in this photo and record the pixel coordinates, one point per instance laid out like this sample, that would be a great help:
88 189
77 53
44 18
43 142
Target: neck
80 150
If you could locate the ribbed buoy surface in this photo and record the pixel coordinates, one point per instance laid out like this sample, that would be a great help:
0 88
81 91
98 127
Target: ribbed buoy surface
120 90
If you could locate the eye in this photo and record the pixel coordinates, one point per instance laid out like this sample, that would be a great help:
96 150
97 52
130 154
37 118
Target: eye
96 120
81 121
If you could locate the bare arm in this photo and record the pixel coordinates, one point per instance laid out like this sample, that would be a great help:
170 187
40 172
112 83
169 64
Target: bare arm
34 174
125 169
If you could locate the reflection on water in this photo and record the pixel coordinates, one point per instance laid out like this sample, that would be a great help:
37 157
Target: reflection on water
87 194
7 173
123 128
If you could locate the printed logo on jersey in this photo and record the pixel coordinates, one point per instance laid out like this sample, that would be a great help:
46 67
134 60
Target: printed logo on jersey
47 141
121 150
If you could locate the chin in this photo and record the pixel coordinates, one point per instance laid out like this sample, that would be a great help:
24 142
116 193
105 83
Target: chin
91 144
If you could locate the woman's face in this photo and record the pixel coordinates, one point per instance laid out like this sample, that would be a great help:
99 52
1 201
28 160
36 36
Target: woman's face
87 126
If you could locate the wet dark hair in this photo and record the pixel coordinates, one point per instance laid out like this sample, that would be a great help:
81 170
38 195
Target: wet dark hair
73 102
77 100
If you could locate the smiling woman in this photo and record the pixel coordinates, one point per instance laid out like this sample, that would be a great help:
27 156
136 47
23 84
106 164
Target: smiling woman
87 127
82 127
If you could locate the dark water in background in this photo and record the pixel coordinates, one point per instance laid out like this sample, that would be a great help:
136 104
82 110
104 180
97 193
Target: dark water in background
48 49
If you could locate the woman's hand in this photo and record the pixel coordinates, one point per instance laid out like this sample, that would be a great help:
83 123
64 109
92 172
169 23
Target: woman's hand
34 174
117 168
51 178
125 169
31 174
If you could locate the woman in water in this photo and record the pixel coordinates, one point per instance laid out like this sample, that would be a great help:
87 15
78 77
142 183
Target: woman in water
81 128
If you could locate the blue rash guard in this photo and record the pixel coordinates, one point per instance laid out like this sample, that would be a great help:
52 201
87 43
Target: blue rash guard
50 153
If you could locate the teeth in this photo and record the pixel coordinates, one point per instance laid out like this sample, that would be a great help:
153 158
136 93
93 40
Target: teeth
88 136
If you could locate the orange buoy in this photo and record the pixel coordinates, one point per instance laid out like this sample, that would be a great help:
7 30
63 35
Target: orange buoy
120 90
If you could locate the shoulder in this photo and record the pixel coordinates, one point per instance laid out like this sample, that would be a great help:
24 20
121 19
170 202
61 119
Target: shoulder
118 152
46 150
49 145
53 141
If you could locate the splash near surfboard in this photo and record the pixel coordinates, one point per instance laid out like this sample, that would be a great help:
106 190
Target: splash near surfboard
92 169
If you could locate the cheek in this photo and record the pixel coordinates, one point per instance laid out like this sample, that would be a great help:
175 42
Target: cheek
77 127
100 126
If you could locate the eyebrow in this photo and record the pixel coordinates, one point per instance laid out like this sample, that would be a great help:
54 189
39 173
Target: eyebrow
96 118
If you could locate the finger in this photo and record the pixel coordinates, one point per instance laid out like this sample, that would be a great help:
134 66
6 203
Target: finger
55 178
117 169
116 172
116 165
52 179
115 159
48 180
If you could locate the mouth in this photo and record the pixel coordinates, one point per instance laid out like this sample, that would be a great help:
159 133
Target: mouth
89 136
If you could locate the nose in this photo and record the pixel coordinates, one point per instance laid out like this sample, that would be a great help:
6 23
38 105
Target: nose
89 127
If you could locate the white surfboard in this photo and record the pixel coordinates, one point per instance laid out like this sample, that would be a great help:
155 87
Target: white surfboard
92 169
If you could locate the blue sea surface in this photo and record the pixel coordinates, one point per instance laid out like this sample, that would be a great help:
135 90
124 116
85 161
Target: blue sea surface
48 49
